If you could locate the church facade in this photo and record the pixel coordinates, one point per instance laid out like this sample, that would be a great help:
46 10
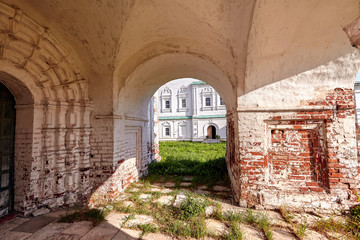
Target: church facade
190 110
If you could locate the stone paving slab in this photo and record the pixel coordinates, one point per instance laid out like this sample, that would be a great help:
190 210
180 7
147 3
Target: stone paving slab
64 236
19 220
221 188
166 190
313 235
210 210
10 225
34 224
188 178
117 219
227 208
222 194
138 220
251 233
202 187
223 201
122 197
338 236
58 214
49 231
11 235
282 234
154 189
216 227
305 218
5 227
165 200
275 217
179 200
156 236
202 192
133 190
138 185
127 234
145 197
79 228
169 184
185 184
104 231
128 204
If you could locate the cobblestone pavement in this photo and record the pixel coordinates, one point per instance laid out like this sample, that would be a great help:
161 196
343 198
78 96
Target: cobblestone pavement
118 225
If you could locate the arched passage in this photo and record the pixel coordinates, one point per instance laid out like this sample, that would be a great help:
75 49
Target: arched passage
131 119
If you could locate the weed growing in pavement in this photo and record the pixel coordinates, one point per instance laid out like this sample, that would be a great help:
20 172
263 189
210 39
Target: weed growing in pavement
301 230
147 228
329 225
192 207
234 217
264 223
250 217
234 232
286 214
217 214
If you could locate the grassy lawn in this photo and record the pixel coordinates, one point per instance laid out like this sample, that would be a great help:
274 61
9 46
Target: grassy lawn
205 161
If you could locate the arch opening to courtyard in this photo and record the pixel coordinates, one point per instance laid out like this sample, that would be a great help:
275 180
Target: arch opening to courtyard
133 122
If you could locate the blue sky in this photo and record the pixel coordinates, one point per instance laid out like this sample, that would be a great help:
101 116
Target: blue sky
357 79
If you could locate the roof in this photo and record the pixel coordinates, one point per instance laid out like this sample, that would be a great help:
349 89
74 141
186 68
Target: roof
191 117
197 83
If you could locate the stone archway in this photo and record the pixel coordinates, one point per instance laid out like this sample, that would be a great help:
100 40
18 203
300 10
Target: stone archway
131 114
52 134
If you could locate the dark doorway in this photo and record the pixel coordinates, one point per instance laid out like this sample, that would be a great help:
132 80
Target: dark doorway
7 141
211 132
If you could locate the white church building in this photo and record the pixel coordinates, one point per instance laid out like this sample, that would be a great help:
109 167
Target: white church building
189 110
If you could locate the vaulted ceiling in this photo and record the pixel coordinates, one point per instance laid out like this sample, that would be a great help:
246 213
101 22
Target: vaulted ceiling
253 42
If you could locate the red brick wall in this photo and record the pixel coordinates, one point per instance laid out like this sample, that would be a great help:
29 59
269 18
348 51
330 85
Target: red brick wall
306 152
297 160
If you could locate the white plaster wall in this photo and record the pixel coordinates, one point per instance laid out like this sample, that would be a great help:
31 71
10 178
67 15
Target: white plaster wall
309 85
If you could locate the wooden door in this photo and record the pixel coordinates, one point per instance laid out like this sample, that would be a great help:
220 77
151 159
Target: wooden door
7 141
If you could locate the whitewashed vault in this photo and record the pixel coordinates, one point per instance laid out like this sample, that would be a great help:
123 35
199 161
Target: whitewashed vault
82 74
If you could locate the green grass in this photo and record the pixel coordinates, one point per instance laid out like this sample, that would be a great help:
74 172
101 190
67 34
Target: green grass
234 232
192 207
286 214
202 152
301 230
147 228
205 161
